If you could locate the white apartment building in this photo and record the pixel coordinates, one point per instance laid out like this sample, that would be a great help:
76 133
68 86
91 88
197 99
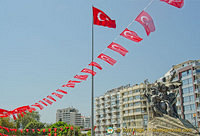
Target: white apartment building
133 109
188 99
108 111
69 115
85 122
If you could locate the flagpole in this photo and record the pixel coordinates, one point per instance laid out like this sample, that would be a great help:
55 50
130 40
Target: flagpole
92 93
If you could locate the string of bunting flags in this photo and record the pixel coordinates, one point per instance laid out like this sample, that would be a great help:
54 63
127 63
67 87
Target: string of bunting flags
100 19
48 131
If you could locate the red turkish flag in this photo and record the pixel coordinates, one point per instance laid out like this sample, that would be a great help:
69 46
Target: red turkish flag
72 81
175 3
43 103
131 35
81 77
59 90
106 58
86 70
38 105
72 85
146 21
48 101
118 48
100 18
95 65
50 97
58 95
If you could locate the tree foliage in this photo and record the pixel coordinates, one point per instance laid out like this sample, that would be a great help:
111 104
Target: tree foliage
29 117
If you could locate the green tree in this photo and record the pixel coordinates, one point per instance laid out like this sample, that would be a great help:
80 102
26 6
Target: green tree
33 125
29 117
8 123
89 133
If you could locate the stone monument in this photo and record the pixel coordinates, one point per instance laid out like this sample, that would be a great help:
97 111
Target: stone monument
164 120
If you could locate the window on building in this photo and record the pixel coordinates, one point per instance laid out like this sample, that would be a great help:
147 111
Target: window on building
137 90
186 73
188 98
137 97
130 98
187 90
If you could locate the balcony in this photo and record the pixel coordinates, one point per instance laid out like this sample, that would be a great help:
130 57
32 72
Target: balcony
197 100
197 81
196 73
197 91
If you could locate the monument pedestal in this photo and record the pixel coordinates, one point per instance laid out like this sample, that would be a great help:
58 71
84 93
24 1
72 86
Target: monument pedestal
169 126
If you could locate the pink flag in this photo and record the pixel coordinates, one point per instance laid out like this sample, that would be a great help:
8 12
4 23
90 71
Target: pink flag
118 48
95 65
86 70
146 21
33 130
106 58
131 35
175 3
81 77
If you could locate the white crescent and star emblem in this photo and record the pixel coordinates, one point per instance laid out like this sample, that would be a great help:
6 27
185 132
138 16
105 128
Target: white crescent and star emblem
99 17
129 33
115 46
143 21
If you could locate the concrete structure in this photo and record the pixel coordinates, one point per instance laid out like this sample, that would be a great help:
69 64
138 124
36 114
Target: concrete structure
123 108
69 115
188 100
133 109
108 111
85 122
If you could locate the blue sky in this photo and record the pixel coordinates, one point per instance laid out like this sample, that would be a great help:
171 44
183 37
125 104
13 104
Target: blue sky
43 44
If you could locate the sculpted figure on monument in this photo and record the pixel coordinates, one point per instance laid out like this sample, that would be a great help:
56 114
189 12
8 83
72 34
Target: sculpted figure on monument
162 97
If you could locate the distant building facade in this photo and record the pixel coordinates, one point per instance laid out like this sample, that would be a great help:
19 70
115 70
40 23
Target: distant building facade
85 122
188 100
69 115
133 109
121 108
107 109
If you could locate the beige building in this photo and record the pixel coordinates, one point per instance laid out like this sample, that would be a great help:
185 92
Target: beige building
107 109
123 109
69 115
133 109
